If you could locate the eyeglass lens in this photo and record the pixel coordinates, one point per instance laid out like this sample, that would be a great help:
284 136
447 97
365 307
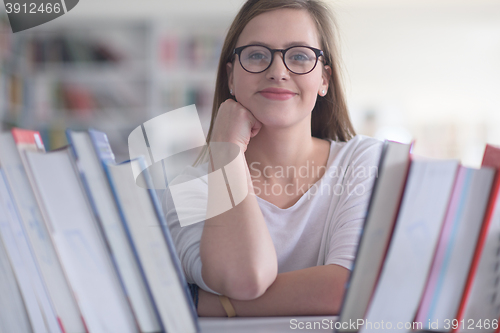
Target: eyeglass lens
298 59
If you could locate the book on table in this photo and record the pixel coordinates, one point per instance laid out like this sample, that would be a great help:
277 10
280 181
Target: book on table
377 230
47 261
152 243
80 246
479 308
455 250
19 309
416 232
131 211
108 216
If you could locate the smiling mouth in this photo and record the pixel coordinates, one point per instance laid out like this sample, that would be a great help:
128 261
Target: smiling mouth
277 95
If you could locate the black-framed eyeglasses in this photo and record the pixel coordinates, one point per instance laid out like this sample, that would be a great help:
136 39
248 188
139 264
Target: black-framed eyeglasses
297 59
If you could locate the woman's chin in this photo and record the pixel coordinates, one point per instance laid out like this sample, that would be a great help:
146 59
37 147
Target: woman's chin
277 123
277 116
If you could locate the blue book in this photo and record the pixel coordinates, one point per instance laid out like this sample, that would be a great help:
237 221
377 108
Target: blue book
153 245
150 240
91 149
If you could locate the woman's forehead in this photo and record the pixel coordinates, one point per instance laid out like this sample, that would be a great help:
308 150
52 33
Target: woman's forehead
281 28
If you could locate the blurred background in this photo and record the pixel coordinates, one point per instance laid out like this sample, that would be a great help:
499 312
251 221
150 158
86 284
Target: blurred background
418 70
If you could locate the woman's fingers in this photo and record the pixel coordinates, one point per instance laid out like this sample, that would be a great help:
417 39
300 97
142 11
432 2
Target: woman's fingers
256 126
236 124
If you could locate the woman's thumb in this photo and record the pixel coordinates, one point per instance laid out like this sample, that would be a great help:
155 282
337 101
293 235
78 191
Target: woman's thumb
256 126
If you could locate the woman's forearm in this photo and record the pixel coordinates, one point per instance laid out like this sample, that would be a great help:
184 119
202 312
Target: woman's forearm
312 291
237 252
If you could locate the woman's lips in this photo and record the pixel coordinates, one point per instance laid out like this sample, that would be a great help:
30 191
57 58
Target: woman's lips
277 94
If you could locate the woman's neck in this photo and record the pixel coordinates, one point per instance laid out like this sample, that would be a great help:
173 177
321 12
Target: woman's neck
284 147
292 160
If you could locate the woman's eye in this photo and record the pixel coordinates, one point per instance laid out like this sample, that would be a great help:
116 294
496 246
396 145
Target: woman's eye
257 56
299 57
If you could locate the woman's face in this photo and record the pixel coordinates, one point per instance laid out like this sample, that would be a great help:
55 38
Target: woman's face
279 29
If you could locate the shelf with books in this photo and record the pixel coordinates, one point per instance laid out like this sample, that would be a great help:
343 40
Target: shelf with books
90 74
428 254
109 238
113 75
97 246
187 57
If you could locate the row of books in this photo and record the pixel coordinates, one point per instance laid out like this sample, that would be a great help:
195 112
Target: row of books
429 255
175 96
63 49
76 97
192 51
83 249
41 93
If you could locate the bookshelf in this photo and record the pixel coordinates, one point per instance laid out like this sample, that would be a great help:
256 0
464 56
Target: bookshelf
187 56
111 75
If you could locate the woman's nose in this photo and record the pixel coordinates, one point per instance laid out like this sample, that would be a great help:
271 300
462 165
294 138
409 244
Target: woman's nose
278 70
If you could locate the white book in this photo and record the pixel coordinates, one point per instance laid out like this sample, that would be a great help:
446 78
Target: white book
39 237
409 258
107 214
153 245
455 249
79 243
22 268
483 304
13 315
382 212
479 310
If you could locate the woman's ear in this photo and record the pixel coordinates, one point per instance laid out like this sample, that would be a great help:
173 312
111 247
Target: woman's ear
229 69
326 74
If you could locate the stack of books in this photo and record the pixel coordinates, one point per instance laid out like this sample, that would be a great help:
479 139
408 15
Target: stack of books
82 248
429 255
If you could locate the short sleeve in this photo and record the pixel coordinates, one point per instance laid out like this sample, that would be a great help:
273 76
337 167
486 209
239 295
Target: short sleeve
348 217
186 238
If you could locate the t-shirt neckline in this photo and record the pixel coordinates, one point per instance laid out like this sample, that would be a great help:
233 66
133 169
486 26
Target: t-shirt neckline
306 193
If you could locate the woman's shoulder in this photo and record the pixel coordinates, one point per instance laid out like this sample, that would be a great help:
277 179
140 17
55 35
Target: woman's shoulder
360 142
361 148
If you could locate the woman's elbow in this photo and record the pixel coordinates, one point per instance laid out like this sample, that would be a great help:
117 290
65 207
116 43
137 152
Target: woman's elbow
250 285
246 284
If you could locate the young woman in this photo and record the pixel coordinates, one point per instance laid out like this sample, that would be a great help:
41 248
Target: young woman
288 247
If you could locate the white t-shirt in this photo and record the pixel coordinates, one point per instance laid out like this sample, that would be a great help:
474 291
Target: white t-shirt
321 228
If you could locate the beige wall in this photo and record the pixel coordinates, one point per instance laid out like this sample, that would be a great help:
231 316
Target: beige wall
430 67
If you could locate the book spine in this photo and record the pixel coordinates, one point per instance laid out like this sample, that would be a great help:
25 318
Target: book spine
131 240
479 249
173 253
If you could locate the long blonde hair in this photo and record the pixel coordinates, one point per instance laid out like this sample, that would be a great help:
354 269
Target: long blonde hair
330 117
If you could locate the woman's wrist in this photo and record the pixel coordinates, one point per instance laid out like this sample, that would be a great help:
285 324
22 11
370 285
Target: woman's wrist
209 305
231 142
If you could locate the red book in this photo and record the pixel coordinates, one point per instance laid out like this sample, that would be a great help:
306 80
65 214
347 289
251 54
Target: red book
27 139
480 303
